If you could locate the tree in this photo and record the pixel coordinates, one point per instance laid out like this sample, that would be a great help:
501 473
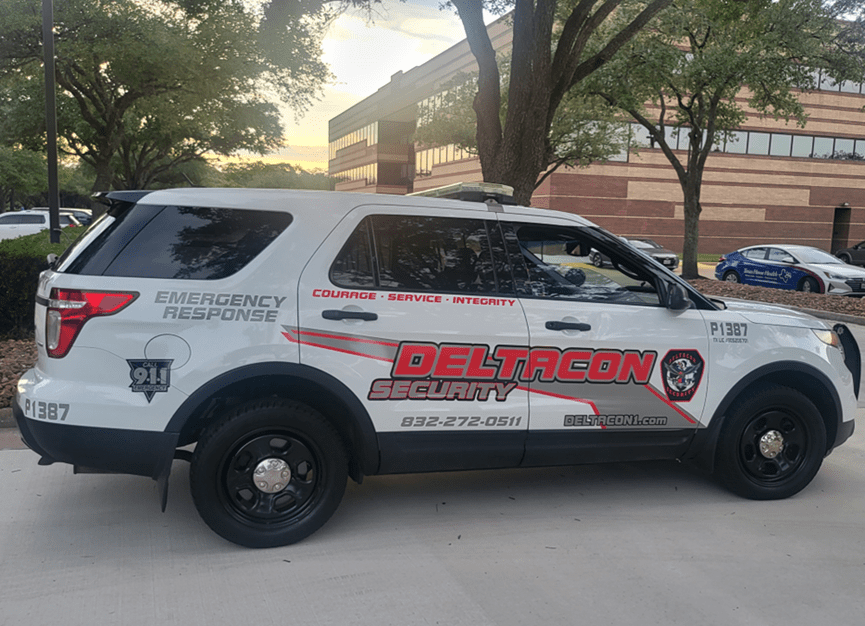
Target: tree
146 85
584 130
686 75
549 57
22 172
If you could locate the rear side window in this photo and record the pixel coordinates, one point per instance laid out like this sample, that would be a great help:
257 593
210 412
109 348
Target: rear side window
440 254
195 243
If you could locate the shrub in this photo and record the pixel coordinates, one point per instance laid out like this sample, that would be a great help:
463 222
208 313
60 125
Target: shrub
21 261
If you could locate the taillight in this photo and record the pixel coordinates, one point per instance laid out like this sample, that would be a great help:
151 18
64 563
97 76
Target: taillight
722 259
69 310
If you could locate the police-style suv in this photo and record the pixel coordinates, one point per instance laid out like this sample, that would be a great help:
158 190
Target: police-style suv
298 338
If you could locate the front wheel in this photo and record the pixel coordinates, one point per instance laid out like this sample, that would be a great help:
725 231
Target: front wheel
845 258
808 285
771 445
270 473
597 260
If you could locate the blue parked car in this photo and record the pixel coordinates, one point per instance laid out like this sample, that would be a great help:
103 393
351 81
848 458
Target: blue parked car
802 268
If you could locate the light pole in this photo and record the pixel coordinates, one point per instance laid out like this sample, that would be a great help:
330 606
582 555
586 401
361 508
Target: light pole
51 118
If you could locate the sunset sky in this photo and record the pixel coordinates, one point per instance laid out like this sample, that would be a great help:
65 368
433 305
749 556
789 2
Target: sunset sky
363 56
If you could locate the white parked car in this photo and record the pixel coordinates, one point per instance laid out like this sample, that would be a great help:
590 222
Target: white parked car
19 223
298 338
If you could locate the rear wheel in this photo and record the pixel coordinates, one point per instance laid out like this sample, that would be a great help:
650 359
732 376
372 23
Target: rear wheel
771 444
268 474
808 285
731 277
845 257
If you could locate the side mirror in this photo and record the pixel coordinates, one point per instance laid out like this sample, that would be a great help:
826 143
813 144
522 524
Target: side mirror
677 297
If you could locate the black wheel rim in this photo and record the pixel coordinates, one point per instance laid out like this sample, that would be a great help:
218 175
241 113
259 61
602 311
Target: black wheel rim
766 460
246 502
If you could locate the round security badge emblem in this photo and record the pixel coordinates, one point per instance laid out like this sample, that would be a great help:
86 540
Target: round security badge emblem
682 371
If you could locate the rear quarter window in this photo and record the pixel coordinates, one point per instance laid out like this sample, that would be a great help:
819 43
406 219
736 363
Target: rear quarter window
195 243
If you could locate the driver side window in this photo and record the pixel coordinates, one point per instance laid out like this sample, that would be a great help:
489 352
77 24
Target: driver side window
555 263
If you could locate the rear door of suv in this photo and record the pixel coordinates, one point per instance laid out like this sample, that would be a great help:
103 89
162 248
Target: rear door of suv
417 314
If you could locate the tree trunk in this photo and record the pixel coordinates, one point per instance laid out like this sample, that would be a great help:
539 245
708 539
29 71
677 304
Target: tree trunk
692 235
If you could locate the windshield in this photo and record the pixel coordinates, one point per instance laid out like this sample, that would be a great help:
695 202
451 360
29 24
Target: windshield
813 255
642 245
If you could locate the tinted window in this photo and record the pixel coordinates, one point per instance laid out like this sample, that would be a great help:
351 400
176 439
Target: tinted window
180 242
420 254
198 243
10 219
31 219
558 265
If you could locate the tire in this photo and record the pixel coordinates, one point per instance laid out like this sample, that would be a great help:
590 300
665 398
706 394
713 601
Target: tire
845 258
808 285
771 444
295 440
731 277
597 261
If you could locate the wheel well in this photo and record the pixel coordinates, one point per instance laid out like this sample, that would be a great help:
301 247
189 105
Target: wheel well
346 414
702 451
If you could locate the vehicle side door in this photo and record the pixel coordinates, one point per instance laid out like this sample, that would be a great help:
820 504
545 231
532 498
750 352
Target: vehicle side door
754 266
612 373
412 312
781 271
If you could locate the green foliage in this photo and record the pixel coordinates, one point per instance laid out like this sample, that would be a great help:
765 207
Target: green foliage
274 176
146 86
21 261
22 172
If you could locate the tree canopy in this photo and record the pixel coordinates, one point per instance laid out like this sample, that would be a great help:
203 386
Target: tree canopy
695 69
556 45
146 85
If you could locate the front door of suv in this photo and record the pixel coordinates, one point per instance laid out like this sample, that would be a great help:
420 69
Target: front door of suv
416 314
612 373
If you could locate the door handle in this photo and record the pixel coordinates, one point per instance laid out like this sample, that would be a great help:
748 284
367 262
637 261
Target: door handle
567 326
333 314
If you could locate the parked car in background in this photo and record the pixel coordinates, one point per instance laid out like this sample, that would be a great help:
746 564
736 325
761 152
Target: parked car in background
802 268
85 216
854 255
20 223
665 257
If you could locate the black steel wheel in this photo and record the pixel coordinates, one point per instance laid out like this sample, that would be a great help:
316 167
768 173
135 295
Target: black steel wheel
771 445
731 277
808 285
269 474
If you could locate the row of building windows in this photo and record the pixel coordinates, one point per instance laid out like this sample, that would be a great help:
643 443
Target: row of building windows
368 133
765 144
368 172
425 159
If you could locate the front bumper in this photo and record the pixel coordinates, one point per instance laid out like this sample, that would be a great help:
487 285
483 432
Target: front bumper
142 453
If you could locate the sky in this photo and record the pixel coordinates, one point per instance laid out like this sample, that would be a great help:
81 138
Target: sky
363 55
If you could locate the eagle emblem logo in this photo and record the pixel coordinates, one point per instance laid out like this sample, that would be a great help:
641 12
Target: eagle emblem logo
682 372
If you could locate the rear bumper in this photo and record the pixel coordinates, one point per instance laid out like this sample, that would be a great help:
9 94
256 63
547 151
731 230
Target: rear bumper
142 453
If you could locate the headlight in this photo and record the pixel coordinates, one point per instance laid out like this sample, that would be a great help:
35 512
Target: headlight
829 337
835 277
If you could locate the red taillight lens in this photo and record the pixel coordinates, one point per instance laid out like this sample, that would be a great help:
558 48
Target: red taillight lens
69 310
722 259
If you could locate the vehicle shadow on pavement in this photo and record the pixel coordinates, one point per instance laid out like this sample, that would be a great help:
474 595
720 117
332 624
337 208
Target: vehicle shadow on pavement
119 515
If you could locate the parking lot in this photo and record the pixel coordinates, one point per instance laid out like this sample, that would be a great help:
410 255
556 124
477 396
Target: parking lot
654 543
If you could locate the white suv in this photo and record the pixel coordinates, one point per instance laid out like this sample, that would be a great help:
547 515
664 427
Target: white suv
298 338
20 223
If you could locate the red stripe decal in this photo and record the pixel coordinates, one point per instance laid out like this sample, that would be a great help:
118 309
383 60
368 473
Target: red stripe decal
690 419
